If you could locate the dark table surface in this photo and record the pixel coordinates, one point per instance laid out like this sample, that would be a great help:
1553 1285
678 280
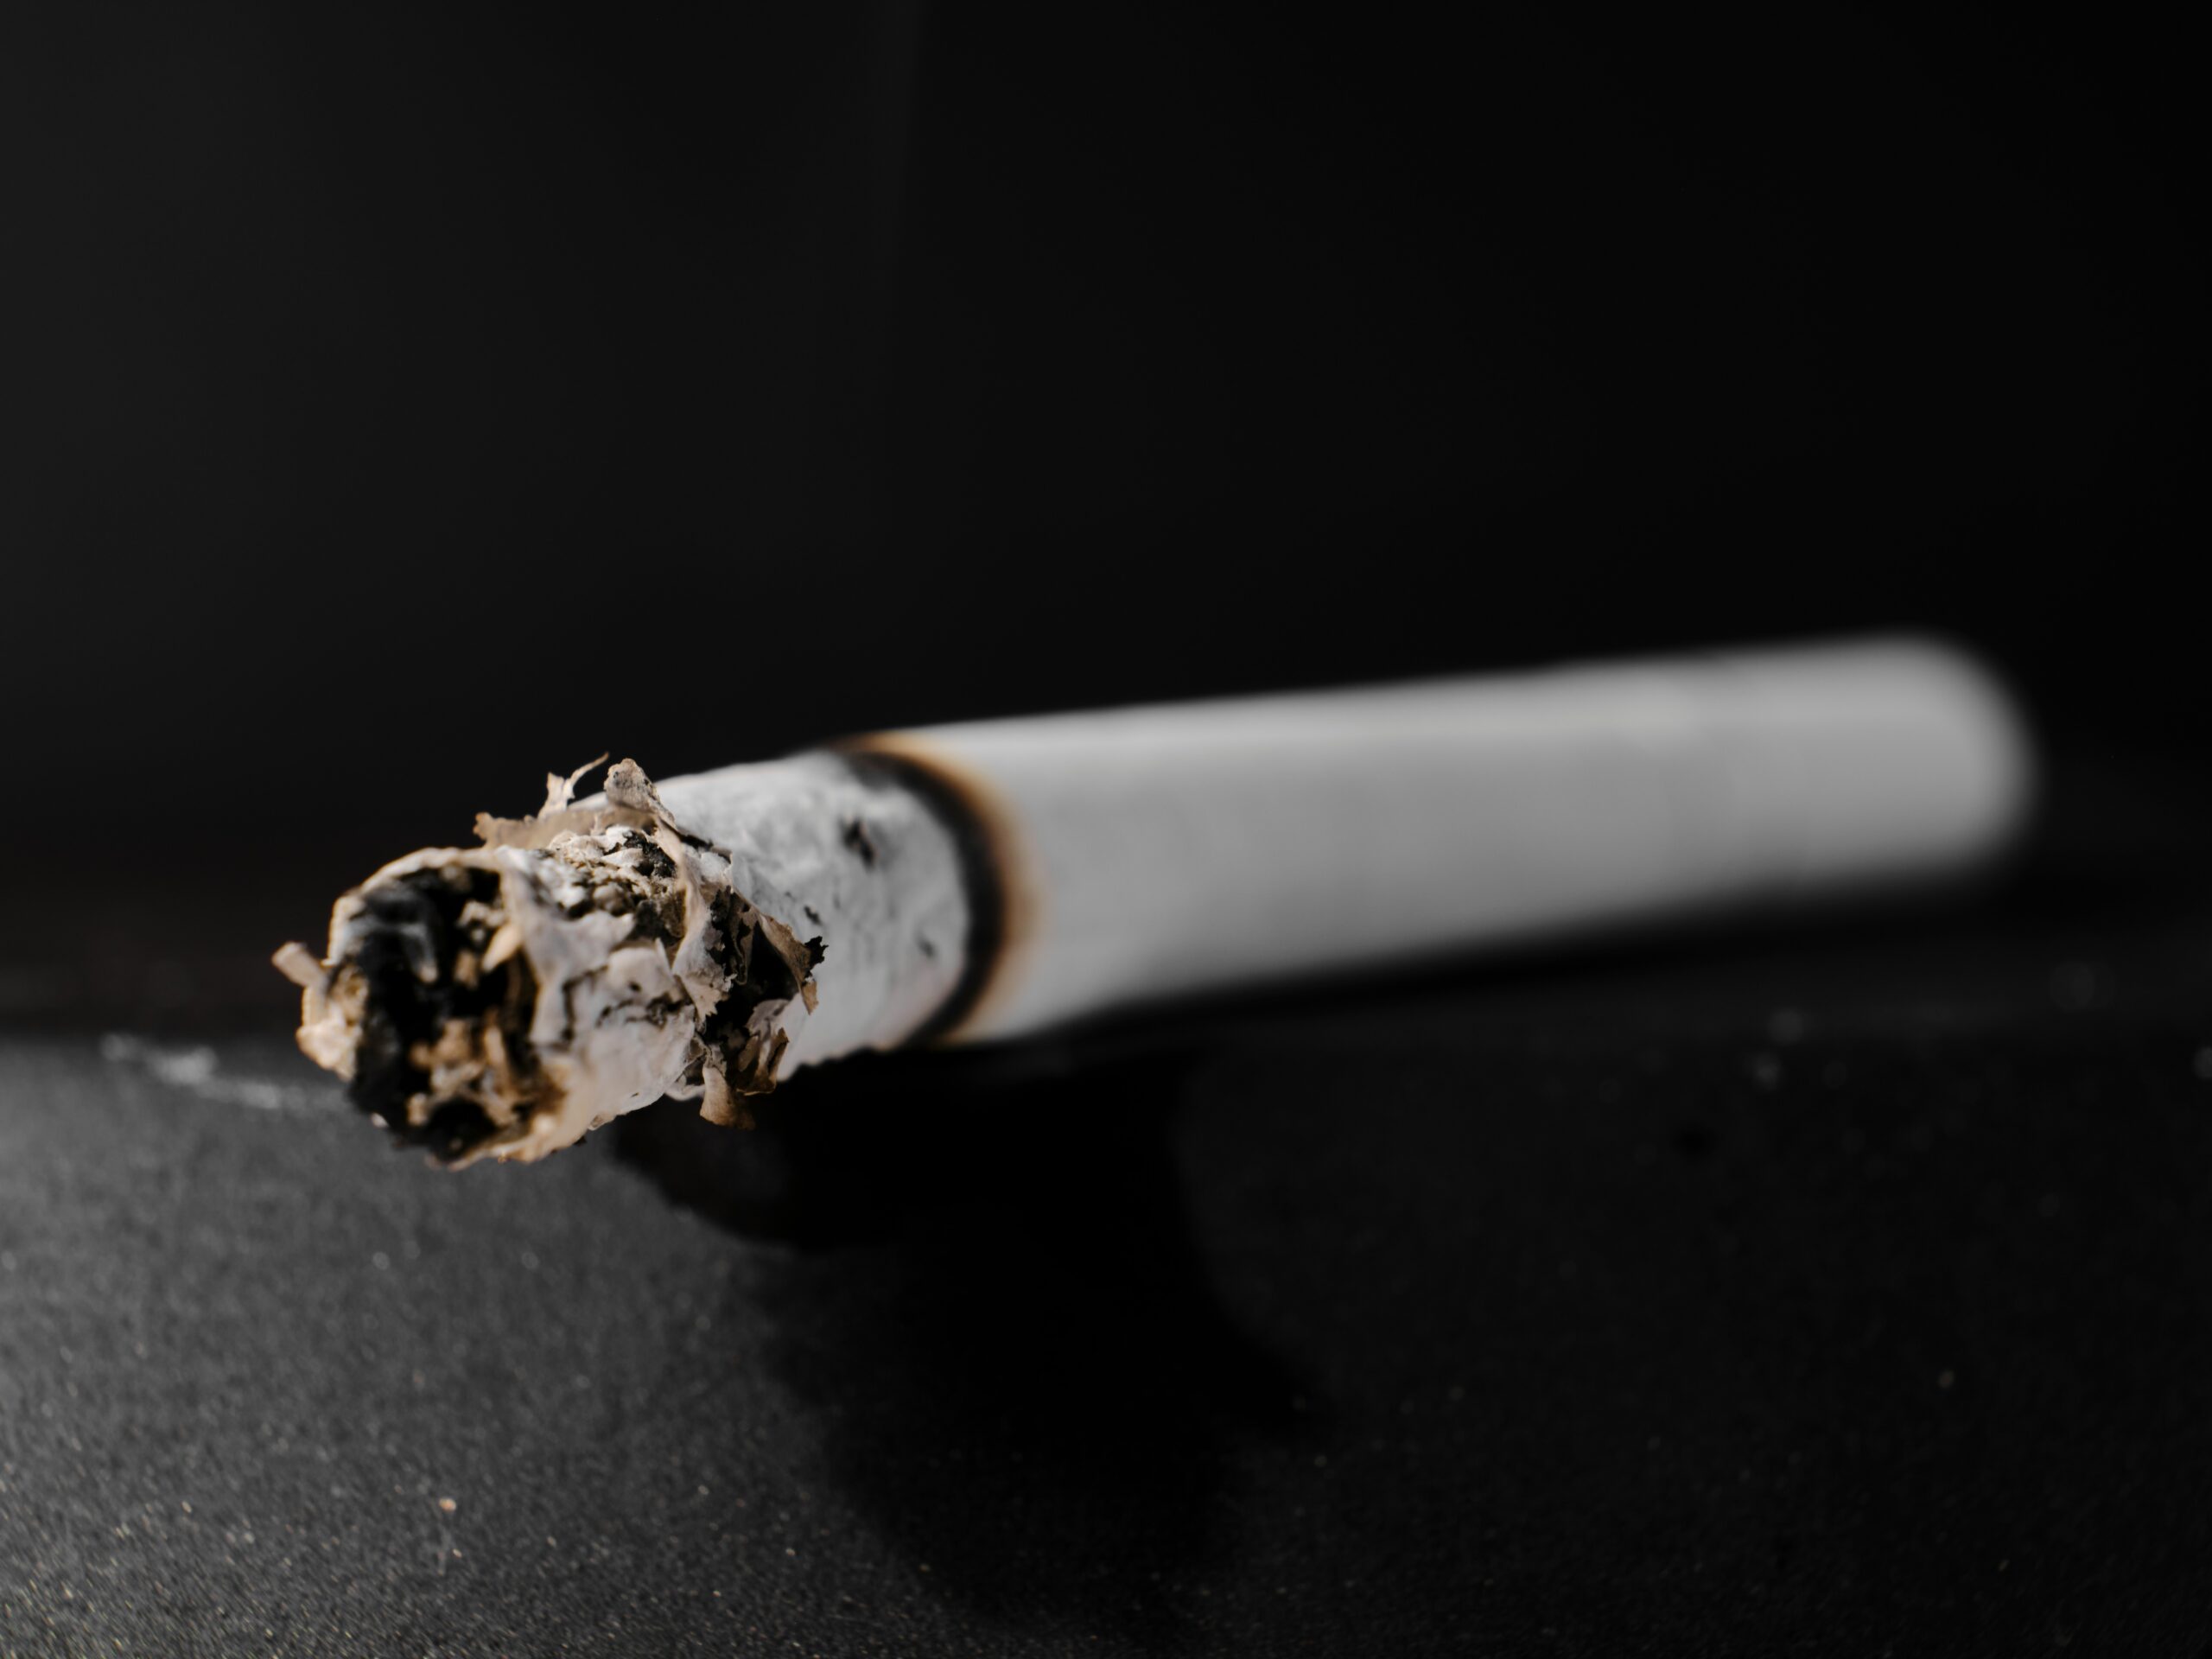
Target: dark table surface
1845 1289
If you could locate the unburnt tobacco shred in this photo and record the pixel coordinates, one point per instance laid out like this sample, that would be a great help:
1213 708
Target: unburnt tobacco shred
410 923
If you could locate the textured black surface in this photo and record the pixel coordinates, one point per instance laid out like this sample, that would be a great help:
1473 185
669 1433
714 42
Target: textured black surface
1843 1292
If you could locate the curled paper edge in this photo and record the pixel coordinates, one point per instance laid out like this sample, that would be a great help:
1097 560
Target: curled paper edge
603 1016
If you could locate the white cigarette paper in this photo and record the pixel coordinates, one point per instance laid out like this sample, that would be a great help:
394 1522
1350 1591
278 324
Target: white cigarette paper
705 938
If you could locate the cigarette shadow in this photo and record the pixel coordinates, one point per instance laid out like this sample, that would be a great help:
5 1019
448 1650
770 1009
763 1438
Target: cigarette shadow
996 1310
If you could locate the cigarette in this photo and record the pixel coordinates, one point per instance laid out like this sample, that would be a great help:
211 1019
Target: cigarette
707 937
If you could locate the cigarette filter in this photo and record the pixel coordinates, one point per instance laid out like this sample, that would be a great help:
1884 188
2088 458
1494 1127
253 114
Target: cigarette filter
707 937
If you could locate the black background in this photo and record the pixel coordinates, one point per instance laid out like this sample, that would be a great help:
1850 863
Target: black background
398 403
401 404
